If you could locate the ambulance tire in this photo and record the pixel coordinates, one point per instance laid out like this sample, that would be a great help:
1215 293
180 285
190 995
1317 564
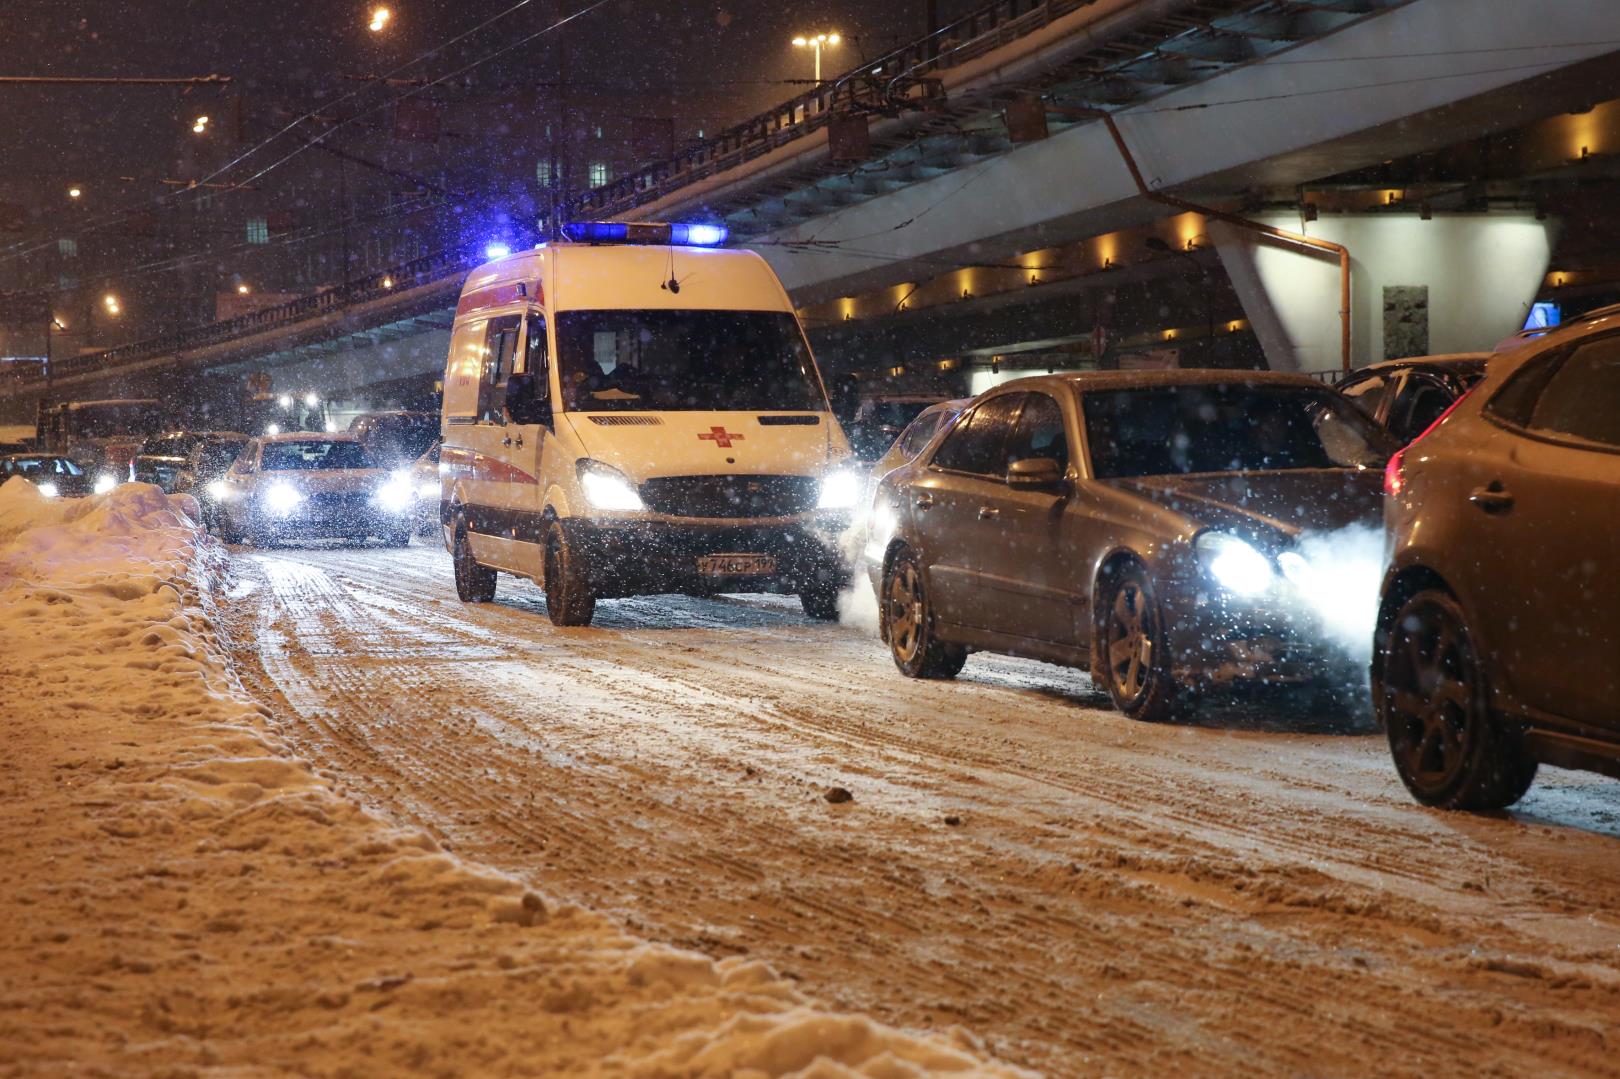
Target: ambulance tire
570 599
474 583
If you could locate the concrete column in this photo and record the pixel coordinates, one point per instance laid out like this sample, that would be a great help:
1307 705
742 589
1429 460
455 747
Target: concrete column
1456 283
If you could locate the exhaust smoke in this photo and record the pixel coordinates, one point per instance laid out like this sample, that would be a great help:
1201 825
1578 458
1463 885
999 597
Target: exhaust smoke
1336 577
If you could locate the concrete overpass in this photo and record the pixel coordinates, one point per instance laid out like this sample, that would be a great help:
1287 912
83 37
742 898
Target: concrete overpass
958 197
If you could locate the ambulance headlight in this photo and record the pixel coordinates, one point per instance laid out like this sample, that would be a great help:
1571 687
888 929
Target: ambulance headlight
607 488
839 490
105 482
282 498
395 494
48 489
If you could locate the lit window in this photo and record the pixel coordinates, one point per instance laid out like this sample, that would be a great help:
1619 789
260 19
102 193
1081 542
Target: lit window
598 173
598 130
700 132
67 248
258 230
542 172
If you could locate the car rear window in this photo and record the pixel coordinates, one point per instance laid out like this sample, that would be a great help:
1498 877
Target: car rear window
1226 427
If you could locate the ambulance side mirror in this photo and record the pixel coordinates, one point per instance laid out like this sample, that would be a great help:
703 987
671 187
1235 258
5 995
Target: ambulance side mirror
526 401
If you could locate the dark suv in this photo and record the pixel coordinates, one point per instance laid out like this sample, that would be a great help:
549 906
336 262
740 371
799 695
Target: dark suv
162 459
1498 637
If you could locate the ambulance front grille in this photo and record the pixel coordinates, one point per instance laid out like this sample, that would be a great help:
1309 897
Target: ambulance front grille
731 496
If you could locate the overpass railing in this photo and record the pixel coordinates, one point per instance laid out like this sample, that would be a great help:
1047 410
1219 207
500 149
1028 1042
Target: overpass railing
881 83
420 271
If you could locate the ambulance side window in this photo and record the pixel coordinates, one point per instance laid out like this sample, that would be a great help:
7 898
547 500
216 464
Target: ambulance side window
537 355
500 349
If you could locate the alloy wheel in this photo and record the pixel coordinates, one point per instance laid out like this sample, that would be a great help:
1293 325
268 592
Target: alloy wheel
903 603
1131 631
1431 685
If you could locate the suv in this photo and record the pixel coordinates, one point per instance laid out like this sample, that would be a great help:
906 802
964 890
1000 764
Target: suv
162 459
1498 637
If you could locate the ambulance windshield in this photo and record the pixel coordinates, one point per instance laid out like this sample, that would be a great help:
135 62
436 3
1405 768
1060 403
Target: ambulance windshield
689 361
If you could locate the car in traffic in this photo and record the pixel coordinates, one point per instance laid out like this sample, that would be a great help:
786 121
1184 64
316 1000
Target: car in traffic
51 474
396 438
202 475
163 459
308 486
1145 525
1497 642
879 419
427 487
902 450
1407 395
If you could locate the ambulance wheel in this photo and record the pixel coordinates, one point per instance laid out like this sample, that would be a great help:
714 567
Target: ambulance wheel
570 600
474 583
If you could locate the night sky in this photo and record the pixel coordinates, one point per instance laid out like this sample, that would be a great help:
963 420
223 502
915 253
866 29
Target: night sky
726 60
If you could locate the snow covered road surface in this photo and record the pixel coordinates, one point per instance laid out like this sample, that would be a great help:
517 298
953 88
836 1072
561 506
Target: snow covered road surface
1252 895
182 897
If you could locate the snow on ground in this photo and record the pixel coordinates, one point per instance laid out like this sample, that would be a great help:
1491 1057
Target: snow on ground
183 896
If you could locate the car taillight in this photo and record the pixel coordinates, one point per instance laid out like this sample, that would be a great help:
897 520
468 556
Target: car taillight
1394 472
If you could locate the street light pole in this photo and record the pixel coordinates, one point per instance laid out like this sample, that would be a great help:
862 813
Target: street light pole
816 43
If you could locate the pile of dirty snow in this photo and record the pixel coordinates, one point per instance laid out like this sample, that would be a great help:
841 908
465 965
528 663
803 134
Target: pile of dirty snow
182 896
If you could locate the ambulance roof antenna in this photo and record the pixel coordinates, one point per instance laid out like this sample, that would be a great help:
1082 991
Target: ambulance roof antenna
673 284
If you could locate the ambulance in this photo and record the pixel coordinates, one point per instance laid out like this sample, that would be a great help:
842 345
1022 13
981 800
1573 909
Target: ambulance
635 411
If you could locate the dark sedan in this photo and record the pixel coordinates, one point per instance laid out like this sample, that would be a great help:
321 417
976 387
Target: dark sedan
1406 396
1154 527
51 474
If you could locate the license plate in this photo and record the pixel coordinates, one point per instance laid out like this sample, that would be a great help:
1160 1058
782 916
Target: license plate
736 565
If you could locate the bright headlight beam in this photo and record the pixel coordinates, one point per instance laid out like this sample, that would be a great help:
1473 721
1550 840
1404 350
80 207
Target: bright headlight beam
839 490
104 483
396 495
49 490
218 490
282 498
607 490
1234 563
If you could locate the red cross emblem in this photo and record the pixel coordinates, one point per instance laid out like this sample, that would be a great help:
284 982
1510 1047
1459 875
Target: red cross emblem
720 437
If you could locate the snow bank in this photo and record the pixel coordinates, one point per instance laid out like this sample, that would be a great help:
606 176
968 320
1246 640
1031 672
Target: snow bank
185 897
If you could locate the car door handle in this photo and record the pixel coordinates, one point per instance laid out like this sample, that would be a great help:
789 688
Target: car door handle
924 502
1493 498
988 513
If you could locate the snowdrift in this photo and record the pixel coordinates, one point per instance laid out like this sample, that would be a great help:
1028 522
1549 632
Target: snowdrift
186 897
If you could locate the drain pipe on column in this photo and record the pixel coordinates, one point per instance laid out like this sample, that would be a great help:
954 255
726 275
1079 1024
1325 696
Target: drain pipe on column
1295 238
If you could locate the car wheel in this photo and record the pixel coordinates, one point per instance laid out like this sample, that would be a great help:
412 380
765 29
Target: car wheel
1431 693
228 532
1136 662
908 623
570 600
399 538
474 583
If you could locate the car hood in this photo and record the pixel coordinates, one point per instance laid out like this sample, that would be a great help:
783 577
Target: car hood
327 481
1274 506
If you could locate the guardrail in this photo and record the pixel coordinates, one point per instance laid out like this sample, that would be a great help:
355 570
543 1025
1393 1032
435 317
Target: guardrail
886 80
420 271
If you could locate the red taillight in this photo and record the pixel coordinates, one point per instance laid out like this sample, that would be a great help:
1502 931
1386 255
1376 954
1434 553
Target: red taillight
1394 474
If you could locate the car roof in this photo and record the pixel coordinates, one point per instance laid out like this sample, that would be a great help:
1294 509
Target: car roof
34 455
1445 359
310 436
1189 376
114 401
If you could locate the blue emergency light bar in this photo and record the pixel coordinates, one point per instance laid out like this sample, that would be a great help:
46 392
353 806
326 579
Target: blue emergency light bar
621 232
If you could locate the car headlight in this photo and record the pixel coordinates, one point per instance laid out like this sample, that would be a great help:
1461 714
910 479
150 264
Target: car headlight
428 491
282 497
607 488
219 490
1234 563
48 489
839 490
105 482
395 495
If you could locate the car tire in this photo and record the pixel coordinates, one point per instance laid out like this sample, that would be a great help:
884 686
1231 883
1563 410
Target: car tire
570 599
1432 700
474 583
1136 669
906 622
399 538
228 532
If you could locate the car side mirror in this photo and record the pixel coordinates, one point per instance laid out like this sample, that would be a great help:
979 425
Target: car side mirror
1034 472
526 399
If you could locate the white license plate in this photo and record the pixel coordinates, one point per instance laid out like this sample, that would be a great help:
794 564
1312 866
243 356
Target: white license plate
736 565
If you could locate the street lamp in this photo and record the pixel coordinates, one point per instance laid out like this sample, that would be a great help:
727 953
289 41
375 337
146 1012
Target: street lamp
242 289
75 191
110 302
380 18
816 43
200 125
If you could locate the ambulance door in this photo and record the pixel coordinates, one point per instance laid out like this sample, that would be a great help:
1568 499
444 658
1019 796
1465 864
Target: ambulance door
491 526
534 451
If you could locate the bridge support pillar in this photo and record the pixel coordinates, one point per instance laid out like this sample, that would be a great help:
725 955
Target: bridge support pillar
1455 283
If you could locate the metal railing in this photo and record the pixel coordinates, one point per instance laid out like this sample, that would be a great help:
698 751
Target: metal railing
421 271
889 80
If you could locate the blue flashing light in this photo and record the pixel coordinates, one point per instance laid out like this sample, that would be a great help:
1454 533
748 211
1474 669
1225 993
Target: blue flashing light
497 250
639 232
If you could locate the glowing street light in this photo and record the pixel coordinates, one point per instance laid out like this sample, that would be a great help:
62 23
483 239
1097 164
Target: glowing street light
816 43
200 125
310 400
110 302
380 18
242 289
75 191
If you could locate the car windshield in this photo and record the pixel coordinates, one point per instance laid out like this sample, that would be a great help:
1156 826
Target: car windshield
217 456
117 419
627 360
314 454
1226 427
39 466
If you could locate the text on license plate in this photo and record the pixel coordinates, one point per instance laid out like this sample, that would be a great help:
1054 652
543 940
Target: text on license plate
736 565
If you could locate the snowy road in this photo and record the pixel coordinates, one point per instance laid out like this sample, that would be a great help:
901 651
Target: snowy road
1254 894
